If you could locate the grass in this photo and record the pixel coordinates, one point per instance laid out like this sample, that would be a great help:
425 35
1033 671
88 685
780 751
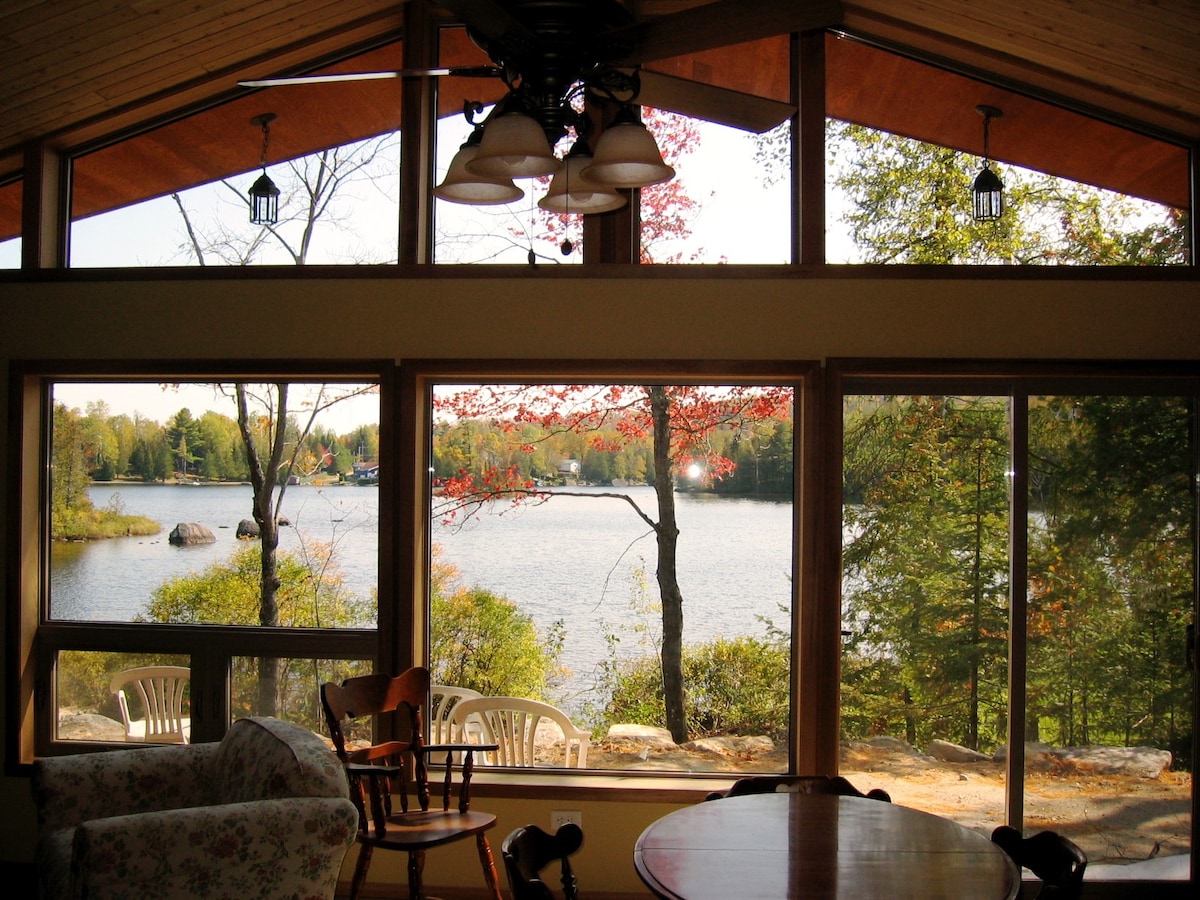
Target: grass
99 524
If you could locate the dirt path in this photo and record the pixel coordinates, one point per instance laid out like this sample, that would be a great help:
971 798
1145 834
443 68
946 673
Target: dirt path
1114 818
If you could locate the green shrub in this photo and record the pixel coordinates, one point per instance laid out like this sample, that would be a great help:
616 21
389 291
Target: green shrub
732 686
482 641
311 594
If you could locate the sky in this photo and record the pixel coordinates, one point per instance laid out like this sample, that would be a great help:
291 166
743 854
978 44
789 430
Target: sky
740 219
720 175
161 402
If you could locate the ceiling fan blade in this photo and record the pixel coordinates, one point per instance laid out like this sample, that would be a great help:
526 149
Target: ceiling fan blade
725 22
489 19
748 112
458 71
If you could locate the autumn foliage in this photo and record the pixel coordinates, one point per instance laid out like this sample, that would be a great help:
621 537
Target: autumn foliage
680 421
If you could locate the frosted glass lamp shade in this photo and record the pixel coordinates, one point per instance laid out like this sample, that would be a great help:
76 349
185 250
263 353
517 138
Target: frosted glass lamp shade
627 157
571 192
514 146
462 186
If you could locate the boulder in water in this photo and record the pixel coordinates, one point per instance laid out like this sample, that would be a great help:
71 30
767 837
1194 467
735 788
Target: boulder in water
186 534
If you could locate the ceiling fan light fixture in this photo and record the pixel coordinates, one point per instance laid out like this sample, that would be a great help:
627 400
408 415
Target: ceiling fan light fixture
463 186
514 146
573 192
627 156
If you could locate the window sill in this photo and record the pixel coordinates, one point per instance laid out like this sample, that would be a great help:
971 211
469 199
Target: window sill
596 785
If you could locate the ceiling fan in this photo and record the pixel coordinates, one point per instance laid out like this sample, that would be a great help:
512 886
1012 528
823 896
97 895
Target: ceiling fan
553 54
543 48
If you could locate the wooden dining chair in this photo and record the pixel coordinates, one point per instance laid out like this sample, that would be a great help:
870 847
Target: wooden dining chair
528 850
1056 860
800 784
399 765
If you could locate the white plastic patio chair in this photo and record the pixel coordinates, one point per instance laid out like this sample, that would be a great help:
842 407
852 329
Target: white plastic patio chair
160 690
520 727
443 698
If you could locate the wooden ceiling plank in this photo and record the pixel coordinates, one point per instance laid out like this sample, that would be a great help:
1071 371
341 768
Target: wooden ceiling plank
78 123
1173 115
973 26
243 25
1127 43
1098 42
178 66
1095 35
41 22
15 10
714 25
94 51
1179 13
134 88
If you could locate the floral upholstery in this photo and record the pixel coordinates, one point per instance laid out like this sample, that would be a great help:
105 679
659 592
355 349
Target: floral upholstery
263 814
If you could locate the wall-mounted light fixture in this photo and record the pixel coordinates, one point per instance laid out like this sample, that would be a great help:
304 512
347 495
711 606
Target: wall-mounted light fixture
264 195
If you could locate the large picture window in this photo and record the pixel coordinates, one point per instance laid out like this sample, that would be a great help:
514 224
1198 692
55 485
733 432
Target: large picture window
226 525
1019 566
625 552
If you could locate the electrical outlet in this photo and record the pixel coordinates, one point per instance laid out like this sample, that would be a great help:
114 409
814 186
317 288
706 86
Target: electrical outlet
560 817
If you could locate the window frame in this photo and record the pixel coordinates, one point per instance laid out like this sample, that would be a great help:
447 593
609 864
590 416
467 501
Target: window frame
1017 380
418 378
404 538
35 639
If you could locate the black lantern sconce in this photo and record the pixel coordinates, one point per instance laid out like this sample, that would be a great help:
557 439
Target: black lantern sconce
988 189
264 195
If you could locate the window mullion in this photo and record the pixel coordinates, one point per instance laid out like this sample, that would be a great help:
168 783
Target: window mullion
1018 581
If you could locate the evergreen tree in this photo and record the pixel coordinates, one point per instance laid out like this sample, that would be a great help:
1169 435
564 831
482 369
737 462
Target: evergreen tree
69 479
185 440
926 596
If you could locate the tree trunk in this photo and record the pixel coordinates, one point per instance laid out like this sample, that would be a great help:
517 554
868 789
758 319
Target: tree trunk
262 480
976 605
667 535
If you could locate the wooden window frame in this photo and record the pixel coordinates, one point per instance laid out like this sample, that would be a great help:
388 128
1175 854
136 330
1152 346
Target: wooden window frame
35 640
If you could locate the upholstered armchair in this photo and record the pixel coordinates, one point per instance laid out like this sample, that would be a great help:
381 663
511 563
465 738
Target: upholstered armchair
265 813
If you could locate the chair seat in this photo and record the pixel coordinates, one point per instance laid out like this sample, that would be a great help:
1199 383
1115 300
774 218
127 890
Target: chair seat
419 830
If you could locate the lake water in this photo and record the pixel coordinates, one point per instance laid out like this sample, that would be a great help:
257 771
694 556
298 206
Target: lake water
588 561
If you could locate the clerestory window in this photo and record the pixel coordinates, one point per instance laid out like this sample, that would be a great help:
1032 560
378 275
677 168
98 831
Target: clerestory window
10 224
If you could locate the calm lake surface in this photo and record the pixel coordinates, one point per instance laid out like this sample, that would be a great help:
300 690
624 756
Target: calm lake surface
587 561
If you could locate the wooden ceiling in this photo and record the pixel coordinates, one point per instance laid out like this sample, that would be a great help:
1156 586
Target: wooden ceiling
74 72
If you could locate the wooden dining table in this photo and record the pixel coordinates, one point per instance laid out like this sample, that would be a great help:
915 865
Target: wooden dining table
793 846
